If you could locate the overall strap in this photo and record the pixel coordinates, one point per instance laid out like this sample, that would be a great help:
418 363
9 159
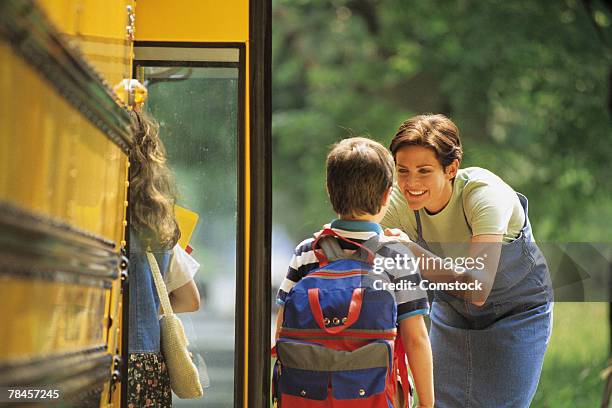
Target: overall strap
525 205
420 240
159 284
419 227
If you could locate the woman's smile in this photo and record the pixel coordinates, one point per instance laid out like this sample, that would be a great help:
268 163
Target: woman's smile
416 194
423 180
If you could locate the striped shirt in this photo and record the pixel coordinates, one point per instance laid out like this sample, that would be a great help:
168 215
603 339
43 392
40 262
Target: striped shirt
410 302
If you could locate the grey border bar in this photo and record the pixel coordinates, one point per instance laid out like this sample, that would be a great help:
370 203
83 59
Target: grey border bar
144 53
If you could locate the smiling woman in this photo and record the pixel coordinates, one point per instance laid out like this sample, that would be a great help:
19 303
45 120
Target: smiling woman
435 144
448 211
420 182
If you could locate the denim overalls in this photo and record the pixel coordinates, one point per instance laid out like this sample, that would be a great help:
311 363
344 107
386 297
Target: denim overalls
491 356
144 330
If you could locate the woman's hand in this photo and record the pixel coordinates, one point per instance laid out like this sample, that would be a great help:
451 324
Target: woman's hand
397 233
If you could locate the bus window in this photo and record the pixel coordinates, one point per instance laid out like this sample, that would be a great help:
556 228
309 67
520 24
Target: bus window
197 106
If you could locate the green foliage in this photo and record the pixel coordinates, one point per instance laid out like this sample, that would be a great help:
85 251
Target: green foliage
571 376
528 84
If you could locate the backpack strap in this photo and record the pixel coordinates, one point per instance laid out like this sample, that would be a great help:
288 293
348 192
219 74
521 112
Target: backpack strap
379 244
399 357
375 243
330 251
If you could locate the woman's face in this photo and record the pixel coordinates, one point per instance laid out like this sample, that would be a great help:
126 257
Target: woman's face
422 179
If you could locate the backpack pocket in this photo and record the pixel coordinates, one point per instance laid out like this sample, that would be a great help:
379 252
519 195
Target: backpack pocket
315 376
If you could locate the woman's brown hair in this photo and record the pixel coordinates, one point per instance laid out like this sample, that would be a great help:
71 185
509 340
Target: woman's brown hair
434 131
152 191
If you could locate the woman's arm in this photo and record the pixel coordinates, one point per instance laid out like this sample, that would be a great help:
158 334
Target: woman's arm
487 248
484 248
186 298
418 350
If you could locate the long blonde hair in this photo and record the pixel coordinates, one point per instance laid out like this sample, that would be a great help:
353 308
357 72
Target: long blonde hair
152 190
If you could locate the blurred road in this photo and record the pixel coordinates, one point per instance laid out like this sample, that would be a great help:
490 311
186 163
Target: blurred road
214 339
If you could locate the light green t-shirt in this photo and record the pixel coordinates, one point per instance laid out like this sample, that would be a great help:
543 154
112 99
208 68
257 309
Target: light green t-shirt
481 203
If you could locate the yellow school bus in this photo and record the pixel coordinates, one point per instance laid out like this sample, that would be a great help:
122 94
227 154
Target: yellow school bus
64 179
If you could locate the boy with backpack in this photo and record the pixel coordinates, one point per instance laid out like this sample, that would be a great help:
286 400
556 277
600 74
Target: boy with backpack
337 342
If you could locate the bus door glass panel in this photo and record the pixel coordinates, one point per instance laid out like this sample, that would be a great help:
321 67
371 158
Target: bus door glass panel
197 108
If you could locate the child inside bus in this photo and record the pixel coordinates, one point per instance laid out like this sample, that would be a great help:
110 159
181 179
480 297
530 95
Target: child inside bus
153 226
360 175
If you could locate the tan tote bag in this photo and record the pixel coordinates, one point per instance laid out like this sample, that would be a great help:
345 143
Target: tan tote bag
184 377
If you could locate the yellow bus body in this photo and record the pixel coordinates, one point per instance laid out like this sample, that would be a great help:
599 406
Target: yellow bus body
64 143
61 169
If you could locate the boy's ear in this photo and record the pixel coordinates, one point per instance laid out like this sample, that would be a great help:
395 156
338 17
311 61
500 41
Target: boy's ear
387 196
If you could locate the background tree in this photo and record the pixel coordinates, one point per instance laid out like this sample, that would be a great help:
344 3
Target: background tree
529 85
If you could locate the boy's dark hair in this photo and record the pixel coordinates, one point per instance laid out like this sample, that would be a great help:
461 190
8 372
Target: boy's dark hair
359 171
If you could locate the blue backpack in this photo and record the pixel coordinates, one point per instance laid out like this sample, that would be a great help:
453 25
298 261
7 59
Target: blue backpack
338 343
